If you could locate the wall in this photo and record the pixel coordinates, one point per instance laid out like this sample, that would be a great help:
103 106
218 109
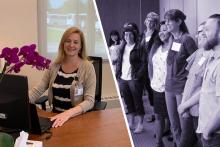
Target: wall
19 26
207 8
114 14
18 22
196 11
187 6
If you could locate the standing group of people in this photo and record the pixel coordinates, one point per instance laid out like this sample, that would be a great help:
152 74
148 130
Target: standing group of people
182 79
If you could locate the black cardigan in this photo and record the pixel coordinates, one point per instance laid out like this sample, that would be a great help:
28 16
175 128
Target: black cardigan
136 61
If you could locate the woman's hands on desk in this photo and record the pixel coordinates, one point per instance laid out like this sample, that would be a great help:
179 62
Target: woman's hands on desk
61 118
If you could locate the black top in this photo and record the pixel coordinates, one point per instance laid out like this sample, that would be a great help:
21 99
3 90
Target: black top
148 45
136 61
176 64
61 90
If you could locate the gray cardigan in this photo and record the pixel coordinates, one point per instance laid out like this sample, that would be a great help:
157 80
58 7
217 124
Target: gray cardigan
87 77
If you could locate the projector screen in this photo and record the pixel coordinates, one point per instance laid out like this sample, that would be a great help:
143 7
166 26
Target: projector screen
55 16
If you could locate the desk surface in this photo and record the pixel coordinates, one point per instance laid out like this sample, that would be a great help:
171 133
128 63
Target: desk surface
105 128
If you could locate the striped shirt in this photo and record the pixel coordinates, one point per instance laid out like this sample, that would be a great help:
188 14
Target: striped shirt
61 90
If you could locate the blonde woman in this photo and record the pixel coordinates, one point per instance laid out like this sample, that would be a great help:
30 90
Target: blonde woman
147 39
70 66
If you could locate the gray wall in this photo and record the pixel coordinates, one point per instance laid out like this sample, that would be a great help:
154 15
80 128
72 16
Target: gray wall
114 13
205 8
196 11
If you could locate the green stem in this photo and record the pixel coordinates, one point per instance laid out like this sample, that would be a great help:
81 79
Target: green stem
12 66
3 72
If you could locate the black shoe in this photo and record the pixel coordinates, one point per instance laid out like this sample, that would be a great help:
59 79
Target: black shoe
166 133
151 119
161 144
170 137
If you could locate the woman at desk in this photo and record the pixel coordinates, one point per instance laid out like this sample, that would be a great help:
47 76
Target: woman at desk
64 77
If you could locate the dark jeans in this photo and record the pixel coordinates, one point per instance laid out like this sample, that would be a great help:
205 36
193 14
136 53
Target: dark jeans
182 128
213 142
195 125
149 90
132 91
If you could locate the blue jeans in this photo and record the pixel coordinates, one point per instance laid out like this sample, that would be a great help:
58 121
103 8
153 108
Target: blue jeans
182 128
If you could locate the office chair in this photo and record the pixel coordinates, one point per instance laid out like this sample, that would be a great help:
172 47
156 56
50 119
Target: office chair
97 63
99 105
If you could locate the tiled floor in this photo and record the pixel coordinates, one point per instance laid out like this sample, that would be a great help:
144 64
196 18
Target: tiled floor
146 138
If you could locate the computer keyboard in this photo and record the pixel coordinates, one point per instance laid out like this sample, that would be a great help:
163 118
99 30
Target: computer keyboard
45 123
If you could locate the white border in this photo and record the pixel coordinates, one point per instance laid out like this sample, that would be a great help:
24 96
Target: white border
116 83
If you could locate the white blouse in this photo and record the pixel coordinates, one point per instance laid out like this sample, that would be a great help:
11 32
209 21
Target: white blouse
113 51
126 66
159 70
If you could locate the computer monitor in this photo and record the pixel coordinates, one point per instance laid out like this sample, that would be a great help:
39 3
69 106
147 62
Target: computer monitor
14 103
16 113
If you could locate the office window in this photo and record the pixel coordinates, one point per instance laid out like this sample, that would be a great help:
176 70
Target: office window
55 16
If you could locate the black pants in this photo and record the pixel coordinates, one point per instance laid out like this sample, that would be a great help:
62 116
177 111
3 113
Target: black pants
195 125
149 89
160 106
132 91
213 142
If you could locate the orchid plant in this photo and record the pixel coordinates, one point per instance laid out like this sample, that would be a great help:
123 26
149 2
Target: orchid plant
16 58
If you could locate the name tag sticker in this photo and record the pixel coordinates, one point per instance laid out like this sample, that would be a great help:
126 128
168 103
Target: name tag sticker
147 39
80 91
176 46
201 61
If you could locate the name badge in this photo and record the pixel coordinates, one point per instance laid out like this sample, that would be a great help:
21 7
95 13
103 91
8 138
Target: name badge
201 61
147 39
79 91
176 46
